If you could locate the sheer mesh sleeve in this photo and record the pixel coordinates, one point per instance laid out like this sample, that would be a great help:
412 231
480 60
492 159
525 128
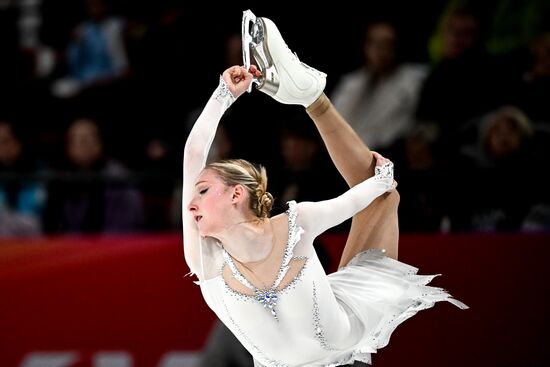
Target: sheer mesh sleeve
196 151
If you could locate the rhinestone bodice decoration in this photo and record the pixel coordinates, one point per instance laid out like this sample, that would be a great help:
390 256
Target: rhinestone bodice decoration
269 297
266 297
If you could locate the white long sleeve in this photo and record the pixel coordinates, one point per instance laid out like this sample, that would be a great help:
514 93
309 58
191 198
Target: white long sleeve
196 151
317 217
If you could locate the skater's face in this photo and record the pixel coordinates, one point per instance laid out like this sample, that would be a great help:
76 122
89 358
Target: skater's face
211 203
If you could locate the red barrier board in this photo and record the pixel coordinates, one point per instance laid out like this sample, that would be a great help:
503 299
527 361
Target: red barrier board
125 301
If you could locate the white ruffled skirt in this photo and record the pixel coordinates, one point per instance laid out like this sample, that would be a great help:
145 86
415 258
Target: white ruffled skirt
380 293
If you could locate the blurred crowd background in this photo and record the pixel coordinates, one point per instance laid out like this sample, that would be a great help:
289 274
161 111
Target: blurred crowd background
97 98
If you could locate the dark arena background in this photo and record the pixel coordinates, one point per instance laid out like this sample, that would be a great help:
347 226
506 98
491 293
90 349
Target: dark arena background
97 98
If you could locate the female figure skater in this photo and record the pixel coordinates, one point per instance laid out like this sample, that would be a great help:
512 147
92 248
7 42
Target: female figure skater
260 274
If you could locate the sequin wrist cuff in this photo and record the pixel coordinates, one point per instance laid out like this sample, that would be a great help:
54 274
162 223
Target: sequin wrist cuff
223 95
384 174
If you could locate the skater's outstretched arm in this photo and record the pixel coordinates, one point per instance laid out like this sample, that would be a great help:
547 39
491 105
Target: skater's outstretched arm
233 83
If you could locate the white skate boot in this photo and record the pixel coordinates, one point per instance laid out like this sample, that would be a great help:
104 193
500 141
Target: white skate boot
284 77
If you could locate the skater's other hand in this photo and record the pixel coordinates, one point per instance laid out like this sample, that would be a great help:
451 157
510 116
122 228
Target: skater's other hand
387 171
380 160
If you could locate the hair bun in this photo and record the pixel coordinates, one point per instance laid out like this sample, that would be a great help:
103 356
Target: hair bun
265 204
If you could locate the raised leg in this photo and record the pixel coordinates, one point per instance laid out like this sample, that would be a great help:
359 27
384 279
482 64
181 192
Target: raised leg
290 81
377 225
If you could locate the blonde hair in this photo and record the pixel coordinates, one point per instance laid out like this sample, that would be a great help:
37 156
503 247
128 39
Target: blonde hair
253 178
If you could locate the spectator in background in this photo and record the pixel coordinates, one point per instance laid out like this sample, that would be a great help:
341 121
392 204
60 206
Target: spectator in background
21 198
168 48
423 182
514 25
461 85
98 196
503 170
533 91
379 99
159 185
504 137
97 52
304 165
94 74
